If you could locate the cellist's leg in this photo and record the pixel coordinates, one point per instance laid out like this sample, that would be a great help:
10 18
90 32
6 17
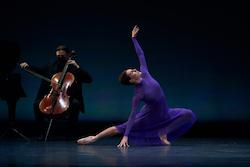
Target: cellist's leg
40 121
73 119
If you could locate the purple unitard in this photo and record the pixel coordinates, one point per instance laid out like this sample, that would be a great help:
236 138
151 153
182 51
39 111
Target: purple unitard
155 118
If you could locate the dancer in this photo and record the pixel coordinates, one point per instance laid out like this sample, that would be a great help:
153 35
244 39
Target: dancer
155 124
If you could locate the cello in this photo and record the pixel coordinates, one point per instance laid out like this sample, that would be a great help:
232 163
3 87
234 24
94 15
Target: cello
56 103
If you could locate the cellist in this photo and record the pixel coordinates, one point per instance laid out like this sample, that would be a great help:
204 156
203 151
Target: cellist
76 98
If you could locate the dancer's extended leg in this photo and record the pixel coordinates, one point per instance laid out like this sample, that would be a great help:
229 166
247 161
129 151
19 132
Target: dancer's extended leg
105 133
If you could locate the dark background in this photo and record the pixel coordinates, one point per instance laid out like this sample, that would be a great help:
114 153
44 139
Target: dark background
198 51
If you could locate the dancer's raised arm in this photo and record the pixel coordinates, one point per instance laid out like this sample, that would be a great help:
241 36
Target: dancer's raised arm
135 31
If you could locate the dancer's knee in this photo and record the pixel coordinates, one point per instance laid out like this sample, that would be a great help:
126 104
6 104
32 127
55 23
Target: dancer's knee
188 114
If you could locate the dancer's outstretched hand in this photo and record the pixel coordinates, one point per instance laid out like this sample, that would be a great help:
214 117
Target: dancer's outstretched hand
124 142
135 31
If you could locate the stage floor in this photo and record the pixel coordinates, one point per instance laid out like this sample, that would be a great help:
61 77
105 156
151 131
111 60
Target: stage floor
183 152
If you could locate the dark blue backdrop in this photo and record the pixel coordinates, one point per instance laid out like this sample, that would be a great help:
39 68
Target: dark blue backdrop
197 51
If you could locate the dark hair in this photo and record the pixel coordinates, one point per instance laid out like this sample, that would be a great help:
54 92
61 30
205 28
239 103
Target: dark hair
62 47
124 78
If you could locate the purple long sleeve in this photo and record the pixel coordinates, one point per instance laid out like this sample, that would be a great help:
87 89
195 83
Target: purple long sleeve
140 54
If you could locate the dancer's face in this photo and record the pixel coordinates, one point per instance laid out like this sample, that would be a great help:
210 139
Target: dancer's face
134 74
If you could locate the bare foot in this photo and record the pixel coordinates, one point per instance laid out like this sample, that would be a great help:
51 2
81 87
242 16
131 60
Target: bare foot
167 143
86 140
165 140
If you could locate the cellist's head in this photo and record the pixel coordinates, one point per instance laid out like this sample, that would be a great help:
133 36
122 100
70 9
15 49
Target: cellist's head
62 54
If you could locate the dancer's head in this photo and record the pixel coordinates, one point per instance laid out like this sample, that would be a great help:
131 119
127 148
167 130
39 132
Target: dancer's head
130 76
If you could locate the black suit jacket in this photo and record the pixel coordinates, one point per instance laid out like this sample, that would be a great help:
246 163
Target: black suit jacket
53 67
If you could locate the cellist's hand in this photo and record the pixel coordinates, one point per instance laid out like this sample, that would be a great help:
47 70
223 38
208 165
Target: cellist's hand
73 62
24 65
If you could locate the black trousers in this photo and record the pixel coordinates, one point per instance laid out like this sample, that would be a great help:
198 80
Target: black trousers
72 118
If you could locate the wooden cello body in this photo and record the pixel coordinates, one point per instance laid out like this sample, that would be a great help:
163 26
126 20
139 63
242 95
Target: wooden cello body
56 103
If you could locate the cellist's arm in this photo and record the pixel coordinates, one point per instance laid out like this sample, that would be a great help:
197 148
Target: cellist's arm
73 62
84 76
38 70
